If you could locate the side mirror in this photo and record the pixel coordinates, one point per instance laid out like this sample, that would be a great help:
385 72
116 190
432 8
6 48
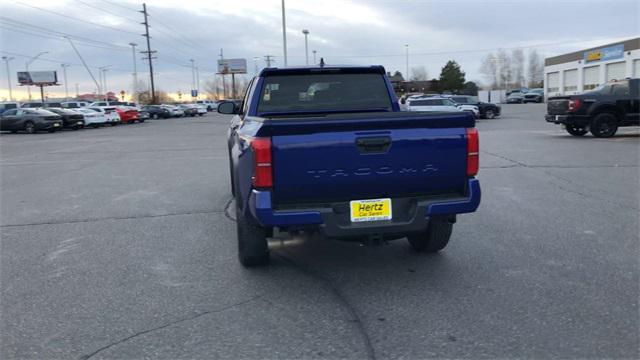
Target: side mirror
227 107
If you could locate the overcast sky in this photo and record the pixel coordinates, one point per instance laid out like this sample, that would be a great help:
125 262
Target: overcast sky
353 32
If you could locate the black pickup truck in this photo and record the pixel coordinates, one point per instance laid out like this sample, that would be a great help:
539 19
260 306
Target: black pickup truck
601 111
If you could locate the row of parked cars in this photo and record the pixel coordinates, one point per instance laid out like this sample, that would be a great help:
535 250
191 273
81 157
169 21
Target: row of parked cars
525 95
52 116
434 103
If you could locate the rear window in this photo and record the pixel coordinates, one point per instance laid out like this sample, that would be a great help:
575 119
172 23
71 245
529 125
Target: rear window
323 92
431 102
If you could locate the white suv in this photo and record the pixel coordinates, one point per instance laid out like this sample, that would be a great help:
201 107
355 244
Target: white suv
210 104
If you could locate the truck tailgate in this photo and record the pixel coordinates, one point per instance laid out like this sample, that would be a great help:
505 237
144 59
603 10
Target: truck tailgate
377 158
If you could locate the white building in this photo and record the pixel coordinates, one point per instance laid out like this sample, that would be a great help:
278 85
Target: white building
579 71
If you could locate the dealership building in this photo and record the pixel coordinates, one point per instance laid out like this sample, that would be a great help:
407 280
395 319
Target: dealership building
584 70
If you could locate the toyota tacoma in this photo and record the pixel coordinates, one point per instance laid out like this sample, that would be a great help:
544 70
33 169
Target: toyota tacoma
327 149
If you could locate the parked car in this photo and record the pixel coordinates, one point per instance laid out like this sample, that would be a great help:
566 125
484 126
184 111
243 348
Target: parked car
143 115
92 117
522 91
110 114
8 105
174 110
107 103
352 167
189 110
30 120
601 111
515 98
534 95
210 104
127 114
431 104
74 104
39 104
202 109
157 111
487 110
70 119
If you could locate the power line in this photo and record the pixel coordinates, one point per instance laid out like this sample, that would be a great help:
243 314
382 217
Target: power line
48 32
76 19
105 10
52 37
54 60
119 5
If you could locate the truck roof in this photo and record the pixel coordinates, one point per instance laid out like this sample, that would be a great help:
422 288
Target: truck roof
345 69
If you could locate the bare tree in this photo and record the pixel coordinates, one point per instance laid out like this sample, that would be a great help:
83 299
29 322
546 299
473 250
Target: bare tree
517 65
535 69
213 89
419 73
489 69
505 72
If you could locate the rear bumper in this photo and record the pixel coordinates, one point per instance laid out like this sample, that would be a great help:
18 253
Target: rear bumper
579 120
410 215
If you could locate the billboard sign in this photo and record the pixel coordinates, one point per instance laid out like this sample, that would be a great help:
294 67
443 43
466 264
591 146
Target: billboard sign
232 66
37 77
604 54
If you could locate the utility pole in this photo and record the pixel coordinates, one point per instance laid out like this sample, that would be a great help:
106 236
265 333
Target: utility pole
284 35
268 59
224 84
106 89
407 51
306 45
149 52
193 76
66 87
314 57
135 73
6 61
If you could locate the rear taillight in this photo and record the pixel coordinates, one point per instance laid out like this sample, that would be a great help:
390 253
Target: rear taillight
473 152
262 174
574 105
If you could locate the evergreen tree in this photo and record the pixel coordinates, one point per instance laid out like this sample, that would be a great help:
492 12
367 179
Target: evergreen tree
451 77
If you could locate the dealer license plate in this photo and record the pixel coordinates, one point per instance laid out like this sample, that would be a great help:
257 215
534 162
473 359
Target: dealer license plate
370 210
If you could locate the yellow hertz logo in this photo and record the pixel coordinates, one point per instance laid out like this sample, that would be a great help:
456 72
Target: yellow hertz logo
594 55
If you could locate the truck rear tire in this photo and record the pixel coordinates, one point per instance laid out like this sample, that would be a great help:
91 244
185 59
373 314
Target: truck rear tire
604 125
252 242
576 130
434 239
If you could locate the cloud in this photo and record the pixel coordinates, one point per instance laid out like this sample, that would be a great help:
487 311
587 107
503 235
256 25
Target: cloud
350 32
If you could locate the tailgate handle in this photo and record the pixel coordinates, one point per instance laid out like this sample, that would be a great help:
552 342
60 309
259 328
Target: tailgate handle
373 144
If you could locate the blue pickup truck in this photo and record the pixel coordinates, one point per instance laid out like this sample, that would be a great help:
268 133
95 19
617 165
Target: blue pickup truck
327 149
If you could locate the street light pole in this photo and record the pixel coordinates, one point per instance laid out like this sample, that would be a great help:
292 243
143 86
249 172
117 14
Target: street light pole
27 63
314 57
407 68
306 45
135 73
104 74
66 87
193 76
6 61
255 64
284 35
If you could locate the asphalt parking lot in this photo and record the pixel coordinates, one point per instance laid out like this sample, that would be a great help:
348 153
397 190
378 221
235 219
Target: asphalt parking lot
115 243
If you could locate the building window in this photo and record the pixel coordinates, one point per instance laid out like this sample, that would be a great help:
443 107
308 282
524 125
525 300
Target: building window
590 86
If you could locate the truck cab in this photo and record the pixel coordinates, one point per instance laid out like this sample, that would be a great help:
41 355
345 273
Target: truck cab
310 151
601 111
